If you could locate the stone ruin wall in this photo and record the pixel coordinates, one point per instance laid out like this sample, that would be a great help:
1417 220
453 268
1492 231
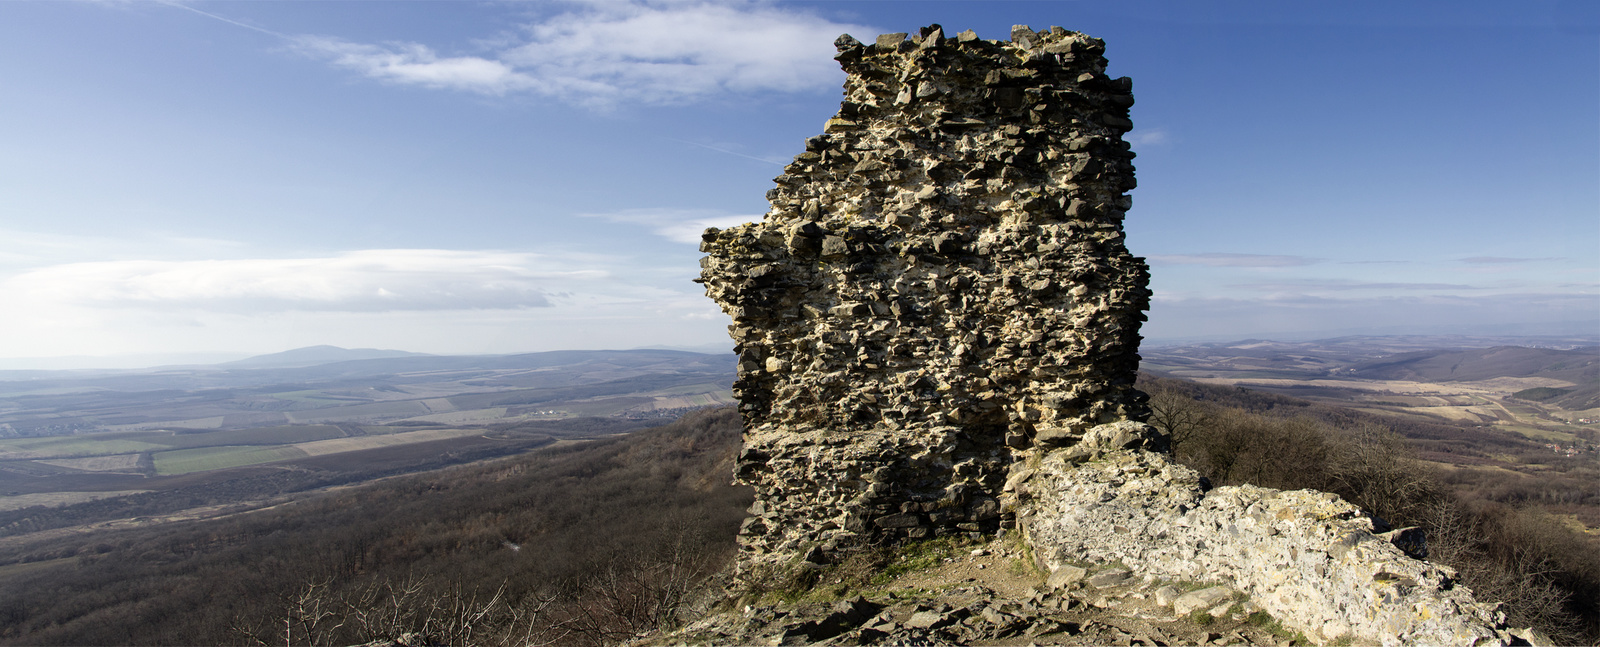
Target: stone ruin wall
937 327
1315 562
941 282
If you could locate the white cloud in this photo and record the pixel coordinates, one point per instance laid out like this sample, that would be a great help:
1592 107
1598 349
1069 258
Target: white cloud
413 64
1502 260
677 225
607 53
1232 260
1320 285
358 281
1151 137
1302 315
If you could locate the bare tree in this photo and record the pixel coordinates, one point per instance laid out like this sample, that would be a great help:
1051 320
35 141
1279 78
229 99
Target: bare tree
1180 416
1377 470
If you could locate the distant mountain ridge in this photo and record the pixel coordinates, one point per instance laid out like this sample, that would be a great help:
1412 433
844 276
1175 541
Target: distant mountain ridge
316 355
1580 365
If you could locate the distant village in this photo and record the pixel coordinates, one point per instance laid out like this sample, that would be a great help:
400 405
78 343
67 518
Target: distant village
1567 451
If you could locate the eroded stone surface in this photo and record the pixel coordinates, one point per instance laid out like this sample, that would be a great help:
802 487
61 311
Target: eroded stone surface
1308 558
941 281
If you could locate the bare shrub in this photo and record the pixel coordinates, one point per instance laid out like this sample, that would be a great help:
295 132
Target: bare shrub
635 594
409 613
1374 469
1519 570
1488 525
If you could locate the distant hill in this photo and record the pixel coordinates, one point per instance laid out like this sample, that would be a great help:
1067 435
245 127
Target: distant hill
316 355
1580 366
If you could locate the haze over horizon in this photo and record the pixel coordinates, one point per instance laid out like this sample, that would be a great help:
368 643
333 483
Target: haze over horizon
241 178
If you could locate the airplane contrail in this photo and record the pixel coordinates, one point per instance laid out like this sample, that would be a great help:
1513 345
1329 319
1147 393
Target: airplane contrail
230 21
724 150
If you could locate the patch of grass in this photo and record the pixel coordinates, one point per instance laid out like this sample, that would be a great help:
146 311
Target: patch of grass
1269 624
802 582
916 556
1187 586
1201 618
1028 564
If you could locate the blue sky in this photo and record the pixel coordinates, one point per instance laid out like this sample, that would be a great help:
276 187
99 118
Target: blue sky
493 177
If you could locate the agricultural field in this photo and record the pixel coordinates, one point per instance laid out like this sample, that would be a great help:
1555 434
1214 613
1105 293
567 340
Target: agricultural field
73 446
80 439
58 499
1479 403
184 461
113 463
1475 384
359 412
361 443
472 416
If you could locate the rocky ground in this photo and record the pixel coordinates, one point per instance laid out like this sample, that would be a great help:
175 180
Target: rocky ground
987 593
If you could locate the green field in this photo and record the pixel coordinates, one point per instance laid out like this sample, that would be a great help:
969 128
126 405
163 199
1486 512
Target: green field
398 409
312 396
282 435
463 417
143 441
695 389
184 461
70 446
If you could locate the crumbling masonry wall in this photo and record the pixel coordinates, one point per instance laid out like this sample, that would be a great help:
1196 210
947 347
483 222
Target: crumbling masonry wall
940 283
1315 562
937 325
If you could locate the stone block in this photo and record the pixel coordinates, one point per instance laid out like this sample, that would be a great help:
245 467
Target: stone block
1065 577
1206 598
1110 577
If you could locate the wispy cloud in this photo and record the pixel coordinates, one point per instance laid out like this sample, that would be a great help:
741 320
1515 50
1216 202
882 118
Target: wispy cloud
611 53
357 281
21 249
1233 260
1315 285
1271 316
413 64
678 225
1151 137
1502 260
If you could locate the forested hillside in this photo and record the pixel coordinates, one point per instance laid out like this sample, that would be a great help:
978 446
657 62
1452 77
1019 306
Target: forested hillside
579 543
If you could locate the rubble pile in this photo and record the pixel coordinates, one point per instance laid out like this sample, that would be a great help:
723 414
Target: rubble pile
1310 559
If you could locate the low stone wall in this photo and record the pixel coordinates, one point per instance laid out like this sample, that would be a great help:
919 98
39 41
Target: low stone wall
1312 560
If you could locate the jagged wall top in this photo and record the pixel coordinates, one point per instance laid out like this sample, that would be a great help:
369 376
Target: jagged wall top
969 193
